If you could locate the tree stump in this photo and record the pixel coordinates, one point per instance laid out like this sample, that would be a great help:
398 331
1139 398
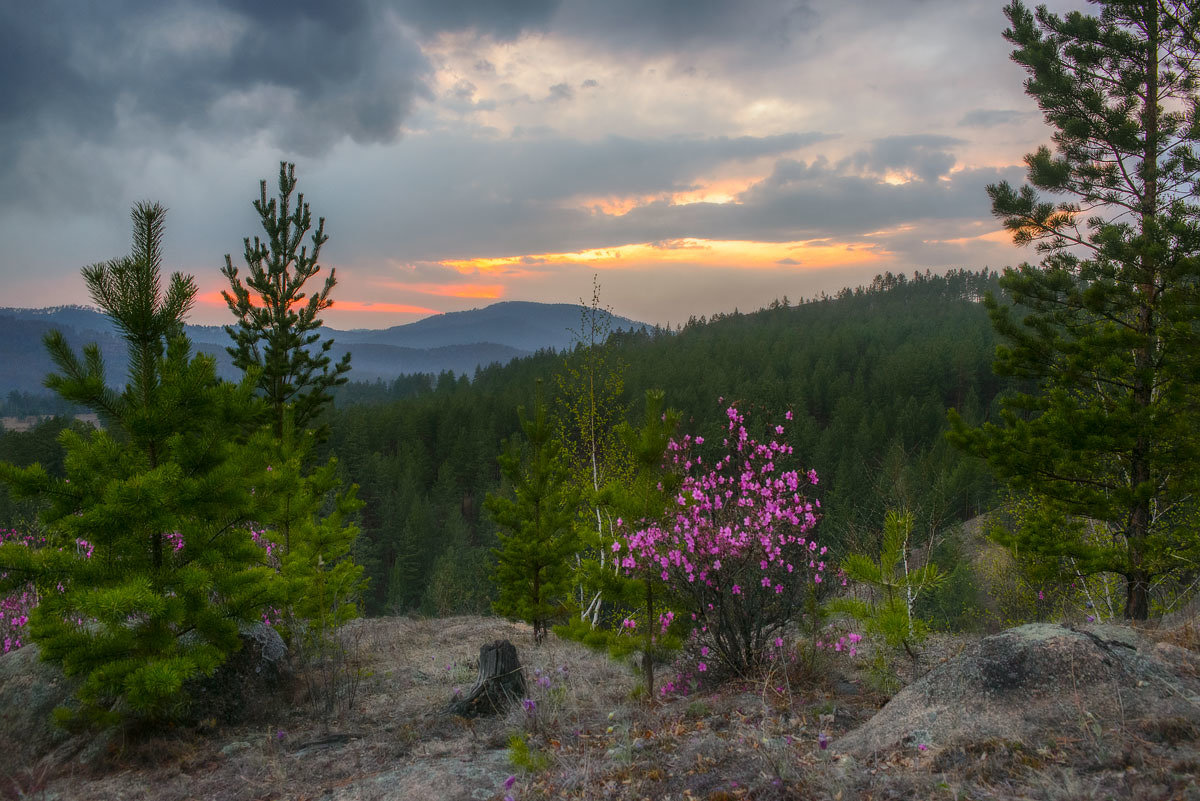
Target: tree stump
501 682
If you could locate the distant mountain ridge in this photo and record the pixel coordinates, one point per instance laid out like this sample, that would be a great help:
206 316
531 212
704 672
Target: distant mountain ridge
455 341
518 324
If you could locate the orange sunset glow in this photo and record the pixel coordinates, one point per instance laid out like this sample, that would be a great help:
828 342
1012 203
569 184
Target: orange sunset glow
715 191
812 254
341 305
465 291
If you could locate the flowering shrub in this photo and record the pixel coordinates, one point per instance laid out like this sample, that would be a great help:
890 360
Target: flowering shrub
18 603
738 548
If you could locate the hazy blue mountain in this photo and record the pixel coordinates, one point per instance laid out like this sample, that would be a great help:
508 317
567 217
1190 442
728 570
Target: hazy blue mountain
456 341
517 324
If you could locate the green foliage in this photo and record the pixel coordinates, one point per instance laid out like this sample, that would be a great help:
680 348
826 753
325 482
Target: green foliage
460 579
307 515
1030 584
893 586
276 330
538 536
39 445
522 757
589 396
589 409
955 604
631 595
149 566
1104 333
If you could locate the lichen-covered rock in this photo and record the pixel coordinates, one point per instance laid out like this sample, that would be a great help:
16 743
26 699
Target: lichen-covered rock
30 689
1037 682
246 685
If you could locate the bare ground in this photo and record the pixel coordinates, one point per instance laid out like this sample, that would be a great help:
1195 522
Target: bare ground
591 735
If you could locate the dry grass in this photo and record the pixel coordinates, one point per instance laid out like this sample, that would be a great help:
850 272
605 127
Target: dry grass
595 738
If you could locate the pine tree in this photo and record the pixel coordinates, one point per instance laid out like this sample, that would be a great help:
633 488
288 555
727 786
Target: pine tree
308 516
895 584
1104 331
538 538
150 567
276 332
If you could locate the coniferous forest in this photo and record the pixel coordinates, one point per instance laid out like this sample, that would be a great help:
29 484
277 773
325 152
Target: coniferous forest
868 374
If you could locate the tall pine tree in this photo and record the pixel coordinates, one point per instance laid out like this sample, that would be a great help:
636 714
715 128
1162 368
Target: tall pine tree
150 567
1105 330
277 321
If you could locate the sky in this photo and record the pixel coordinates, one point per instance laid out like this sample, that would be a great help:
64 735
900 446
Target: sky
694 156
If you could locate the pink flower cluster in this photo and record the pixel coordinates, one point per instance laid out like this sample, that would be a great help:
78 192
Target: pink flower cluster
175 539
262 540
16 606
738 542
848 643
744 505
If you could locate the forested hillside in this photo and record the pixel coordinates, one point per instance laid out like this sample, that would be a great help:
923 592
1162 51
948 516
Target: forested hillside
868 374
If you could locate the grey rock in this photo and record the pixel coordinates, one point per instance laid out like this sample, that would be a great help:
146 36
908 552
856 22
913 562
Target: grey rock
30 690
235 747
1032 683
247 685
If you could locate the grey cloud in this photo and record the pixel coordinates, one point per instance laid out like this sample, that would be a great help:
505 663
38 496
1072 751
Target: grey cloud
803 201
504 21
461 98
927 156
991 117
523 197
590 83
306 74
560 91
652 26
540 168
619 165
517 196
174 63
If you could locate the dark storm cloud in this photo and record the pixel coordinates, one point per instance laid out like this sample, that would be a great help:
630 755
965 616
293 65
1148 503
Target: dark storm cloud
325 69
502 20
130 76
926 156
124 80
